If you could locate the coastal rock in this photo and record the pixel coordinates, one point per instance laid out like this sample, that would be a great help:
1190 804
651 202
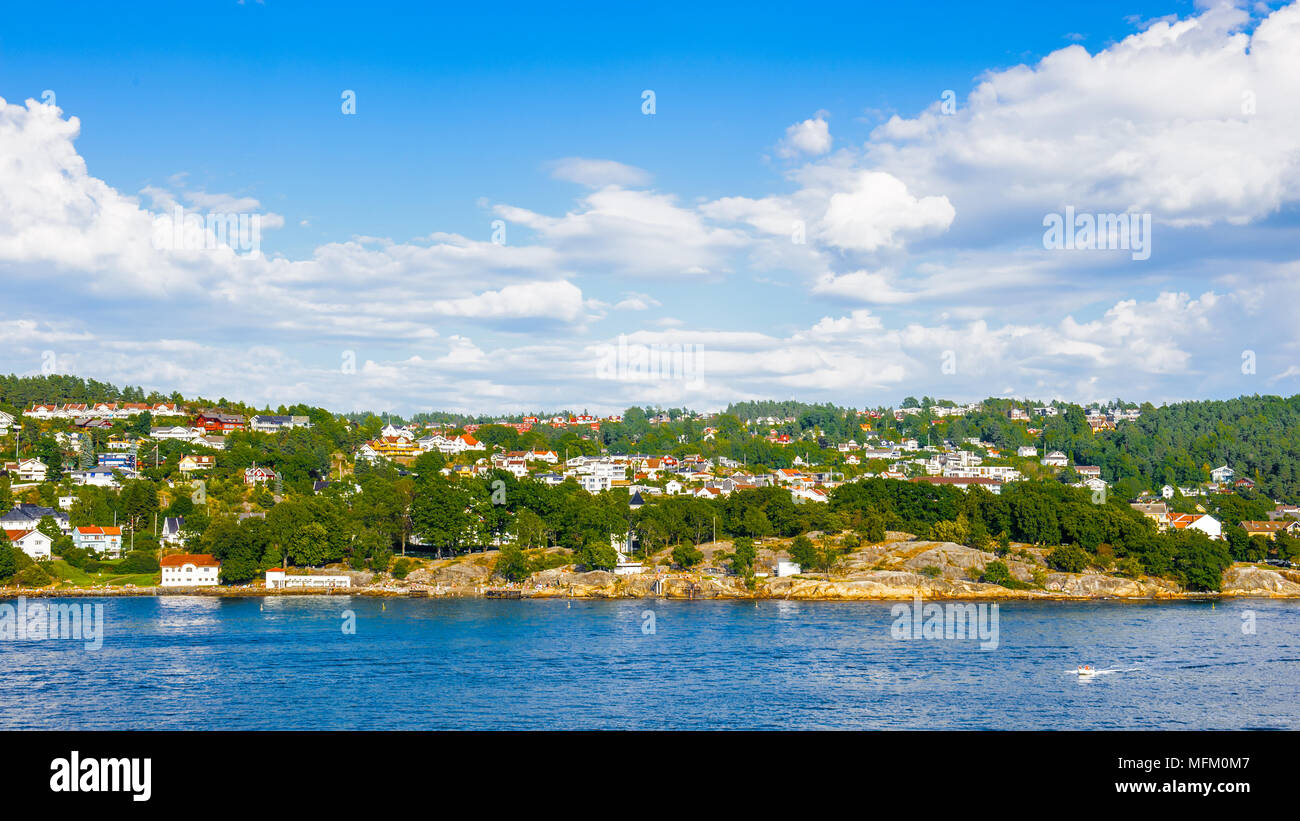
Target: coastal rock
949 558
1099 585
456 574
1252 580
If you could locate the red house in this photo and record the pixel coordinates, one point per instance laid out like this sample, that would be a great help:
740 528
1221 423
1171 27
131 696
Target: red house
214 422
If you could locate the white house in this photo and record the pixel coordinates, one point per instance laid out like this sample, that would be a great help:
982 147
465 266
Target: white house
1222 474
6 422
180 432
106 541
275 424
190 570
785 568
26 517
1027 451
32 542
1055 459
32 470
278 579
1205 523
100 477
171 531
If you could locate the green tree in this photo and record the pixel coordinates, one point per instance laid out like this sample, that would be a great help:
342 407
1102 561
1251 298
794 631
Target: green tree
1068 559
307 545
687 555
512 564
803 552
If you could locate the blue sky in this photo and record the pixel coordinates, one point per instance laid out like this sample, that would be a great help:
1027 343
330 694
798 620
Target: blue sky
924 226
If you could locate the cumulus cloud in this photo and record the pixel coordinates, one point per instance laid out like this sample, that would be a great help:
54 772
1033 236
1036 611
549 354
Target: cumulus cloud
810 137
1191 119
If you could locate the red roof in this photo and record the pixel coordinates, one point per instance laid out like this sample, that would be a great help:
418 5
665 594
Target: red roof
196 559
15 535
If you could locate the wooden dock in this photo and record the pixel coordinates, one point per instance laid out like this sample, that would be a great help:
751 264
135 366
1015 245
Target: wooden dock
503 593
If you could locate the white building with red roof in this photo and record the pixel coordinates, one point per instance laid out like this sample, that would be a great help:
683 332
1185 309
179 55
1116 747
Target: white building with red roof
32 542
190 570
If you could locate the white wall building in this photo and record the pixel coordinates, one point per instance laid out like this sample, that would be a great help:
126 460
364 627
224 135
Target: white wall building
278 579
190 570
32 542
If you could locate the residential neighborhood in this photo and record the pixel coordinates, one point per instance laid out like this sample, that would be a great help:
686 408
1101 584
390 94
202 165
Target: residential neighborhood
153 479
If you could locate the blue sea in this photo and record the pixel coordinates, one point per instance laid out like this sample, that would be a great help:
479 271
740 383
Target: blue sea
351 662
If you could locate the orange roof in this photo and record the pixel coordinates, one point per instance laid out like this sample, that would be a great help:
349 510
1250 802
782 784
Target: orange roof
99 531
196 559
15 535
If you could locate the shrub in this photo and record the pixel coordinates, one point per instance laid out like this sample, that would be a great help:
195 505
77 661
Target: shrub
511 565
955 532
802 552
872 527
33 576
931 571
401 568
138 561
598 555
1068 559
687 556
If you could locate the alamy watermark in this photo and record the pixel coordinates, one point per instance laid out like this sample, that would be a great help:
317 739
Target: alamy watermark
954 621
1098 232
191 231
655 361
42 620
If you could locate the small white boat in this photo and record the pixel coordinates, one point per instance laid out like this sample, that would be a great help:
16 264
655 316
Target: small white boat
1086 670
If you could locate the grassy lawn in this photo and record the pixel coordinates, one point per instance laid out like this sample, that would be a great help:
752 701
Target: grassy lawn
107 574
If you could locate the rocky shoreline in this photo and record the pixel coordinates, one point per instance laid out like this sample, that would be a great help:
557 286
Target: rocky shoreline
1240 581
900 568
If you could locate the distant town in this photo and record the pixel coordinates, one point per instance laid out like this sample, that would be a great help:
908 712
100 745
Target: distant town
164 492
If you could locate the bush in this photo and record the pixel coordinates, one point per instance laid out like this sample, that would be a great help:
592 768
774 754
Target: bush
1004 544
138 561
687 556
511 564
1128 567
742 561
8 563
955 532
997 572
401 568
598 555
931 571
872 527
1068 559
33 576
802 552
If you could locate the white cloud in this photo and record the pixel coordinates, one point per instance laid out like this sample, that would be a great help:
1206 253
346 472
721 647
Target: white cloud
637 302
599 173
1192 120
810 137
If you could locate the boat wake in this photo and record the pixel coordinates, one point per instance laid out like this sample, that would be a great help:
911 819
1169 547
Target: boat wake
1090 672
